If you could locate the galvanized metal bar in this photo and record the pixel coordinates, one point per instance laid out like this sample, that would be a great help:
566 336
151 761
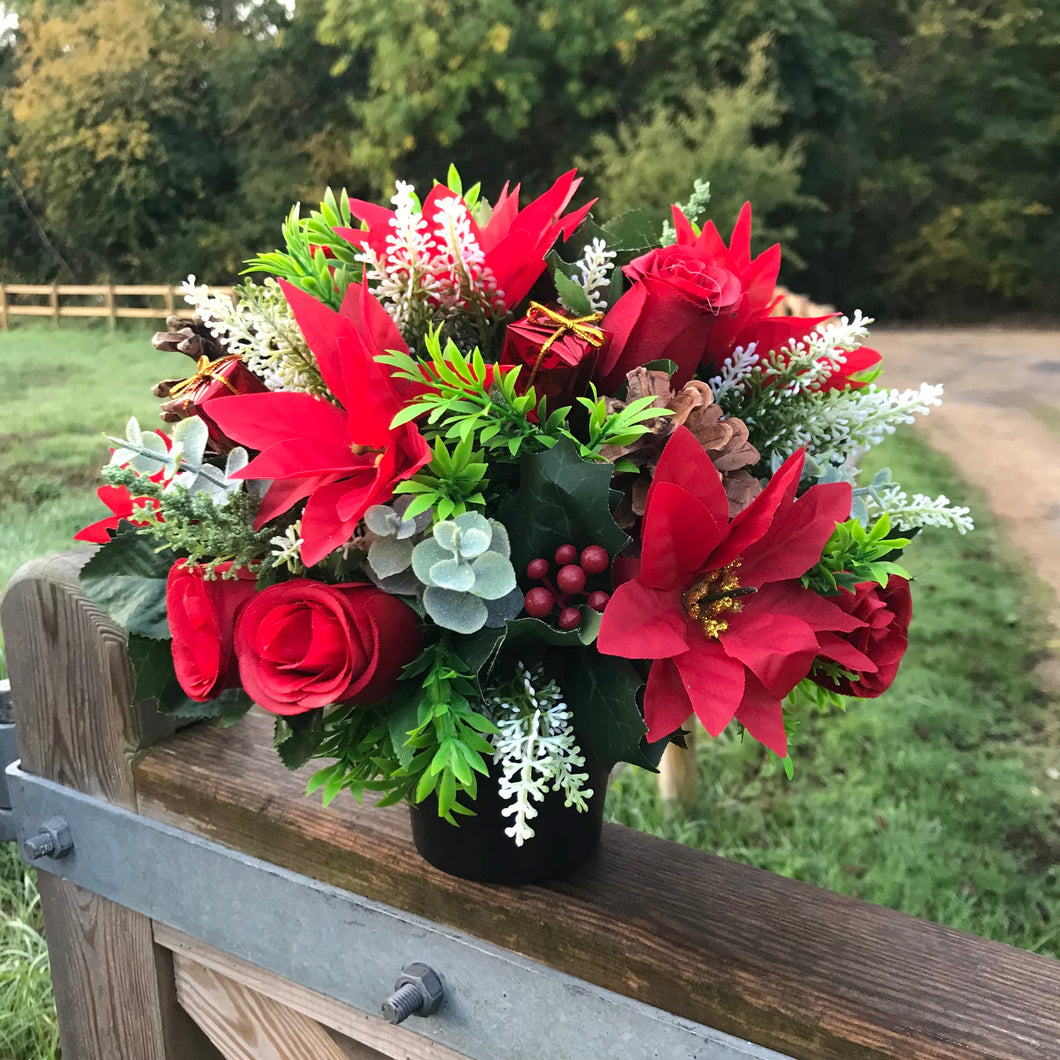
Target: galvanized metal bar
498 1004
8 754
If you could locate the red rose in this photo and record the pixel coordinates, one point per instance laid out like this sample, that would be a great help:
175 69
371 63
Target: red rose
302 645
667 313
883 639
201 618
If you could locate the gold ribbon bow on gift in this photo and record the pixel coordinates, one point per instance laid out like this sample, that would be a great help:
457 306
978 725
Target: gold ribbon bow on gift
206 370
583 327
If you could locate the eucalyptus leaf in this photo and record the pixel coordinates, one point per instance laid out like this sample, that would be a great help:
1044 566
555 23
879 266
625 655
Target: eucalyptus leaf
453 574
460 612
425 555
389 556
493 576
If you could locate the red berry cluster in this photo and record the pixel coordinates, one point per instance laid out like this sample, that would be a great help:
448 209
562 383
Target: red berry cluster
570 583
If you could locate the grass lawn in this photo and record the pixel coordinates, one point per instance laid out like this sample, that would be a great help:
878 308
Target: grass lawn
935 799
63 390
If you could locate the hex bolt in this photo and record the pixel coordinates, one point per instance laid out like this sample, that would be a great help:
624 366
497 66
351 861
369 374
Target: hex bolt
52 840
417 992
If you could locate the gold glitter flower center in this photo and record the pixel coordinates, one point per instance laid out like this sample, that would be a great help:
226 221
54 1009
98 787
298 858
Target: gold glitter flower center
715 597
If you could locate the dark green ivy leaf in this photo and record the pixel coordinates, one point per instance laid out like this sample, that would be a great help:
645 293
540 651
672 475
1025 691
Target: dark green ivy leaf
297 737
561 499
126 578
602 692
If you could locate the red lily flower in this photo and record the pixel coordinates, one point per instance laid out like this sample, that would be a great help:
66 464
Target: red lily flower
696 301
123 506
752 320
719 606
514 241
344 459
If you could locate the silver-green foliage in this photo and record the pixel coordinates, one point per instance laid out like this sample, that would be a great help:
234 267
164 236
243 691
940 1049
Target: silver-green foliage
467 573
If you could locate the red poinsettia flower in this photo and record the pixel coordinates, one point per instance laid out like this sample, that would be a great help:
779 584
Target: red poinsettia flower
719 606
514 242
344 458
696 301
123 506
752 320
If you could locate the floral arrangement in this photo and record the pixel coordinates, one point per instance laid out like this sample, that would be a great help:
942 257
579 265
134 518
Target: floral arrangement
466 488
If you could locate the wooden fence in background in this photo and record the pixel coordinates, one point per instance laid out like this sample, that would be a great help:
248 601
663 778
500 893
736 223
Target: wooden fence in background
58 300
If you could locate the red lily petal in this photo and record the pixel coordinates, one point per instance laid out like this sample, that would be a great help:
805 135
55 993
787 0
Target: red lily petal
762 715
320 325
261 420
818 612
713 682
684 463
752 524
834 647
640 622
798 532
778 649
285 493
679 534
666 704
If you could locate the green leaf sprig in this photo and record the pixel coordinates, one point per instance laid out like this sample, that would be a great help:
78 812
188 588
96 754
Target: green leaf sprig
853 555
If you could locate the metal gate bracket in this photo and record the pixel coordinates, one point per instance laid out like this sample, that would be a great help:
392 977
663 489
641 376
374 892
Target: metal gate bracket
347 947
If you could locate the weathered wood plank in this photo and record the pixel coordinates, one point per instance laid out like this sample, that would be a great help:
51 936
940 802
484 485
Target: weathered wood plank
801 970
72 690
247 1025
374 1034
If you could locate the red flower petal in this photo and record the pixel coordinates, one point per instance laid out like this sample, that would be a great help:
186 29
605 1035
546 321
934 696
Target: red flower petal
679 534
684 463
666 703
713 682
762 715
642 623
778 648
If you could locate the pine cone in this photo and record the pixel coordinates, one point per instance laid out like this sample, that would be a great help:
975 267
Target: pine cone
725 441
188 336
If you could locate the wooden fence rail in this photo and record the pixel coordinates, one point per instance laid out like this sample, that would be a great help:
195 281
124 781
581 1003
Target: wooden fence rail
675 933
54 301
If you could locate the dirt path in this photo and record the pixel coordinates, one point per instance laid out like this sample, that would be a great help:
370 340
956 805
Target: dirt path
1000 425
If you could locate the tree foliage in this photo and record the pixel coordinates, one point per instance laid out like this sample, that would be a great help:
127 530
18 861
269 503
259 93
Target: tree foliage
907 151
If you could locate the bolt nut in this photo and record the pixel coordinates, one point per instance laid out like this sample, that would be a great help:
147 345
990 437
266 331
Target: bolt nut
417 992
53 839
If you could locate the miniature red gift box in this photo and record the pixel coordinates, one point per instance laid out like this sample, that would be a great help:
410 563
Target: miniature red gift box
560 351
212 379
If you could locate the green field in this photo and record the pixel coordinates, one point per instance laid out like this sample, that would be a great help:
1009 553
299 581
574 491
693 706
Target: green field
934 799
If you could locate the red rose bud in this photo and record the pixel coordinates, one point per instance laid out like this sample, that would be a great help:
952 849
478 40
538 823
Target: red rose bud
873 651
559 349
677 295
202 617
302 645
225 377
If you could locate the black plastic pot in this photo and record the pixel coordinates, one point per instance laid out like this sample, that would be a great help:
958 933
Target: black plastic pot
477 849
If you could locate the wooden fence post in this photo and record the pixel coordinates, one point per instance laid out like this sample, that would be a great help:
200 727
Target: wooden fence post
3 307
112 316
53 301
71 690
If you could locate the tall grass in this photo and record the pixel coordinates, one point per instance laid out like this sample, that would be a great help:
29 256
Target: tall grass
27 1012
